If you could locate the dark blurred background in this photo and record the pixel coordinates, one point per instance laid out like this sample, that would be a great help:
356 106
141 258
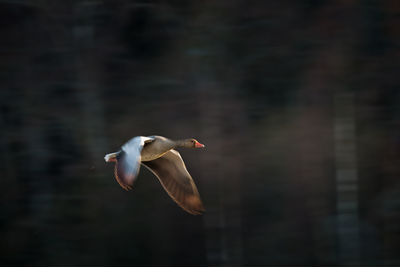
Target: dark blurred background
297 103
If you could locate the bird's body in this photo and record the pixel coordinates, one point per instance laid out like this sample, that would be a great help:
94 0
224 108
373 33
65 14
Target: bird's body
157 148
158 155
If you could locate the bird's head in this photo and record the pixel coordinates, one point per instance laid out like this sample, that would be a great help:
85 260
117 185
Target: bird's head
194 143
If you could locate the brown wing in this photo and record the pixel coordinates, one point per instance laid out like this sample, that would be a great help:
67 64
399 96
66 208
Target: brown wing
176 180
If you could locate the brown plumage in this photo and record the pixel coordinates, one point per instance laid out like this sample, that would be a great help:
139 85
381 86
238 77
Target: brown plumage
176 180
158 155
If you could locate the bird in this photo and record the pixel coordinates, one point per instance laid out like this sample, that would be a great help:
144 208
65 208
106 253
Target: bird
158 154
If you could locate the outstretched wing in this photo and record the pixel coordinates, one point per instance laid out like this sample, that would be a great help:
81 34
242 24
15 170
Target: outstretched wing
128 161
176 180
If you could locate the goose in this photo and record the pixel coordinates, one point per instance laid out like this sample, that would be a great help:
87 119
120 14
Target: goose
158 154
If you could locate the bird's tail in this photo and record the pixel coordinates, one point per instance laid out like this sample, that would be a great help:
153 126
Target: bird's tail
111 157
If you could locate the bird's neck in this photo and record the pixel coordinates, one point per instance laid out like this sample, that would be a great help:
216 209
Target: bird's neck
180 143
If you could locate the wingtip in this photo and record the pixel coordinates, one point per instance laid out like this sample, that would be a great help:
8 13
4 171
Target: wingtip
127 187
197 207
197 212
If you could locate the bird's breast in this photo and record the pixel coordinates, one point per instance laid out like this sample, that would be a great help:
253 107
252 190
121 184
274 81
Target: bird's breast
150 157
152 151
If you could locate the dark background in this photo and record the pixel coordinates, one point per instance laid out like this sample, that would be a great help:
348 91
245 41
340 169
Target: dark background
297 103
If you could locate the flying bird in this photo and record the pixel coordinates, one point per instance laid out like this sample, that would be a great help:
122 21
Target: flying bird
158 154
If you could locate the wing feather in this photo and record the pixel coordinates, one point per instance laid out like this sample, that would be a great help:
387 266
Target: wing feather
121 182
176 180
128 161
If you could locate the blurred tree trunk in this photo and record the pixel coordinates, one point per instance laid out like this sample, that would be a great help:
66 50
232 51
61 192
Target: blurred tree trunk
221 127
214 218
346 181
88 84
339 61
38 186
331 75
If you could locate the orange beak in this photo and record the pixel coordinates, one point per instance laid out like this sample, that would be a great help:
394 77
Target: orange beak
197 144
